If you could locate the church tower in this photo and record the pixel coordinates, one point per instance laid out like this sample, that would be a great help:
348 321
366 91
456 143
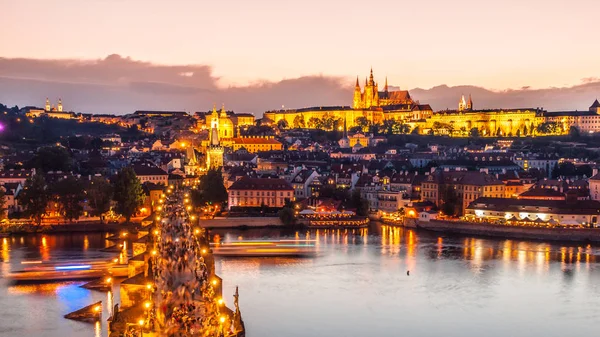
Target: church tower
357 102
47 107
462 104
59 107
470 103
214 152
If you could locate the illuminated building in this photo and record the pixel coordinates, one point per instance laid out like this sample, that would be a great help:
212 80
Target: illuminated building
254 144
368 102
51 111
465 185
528 211
151 174
255 192
214 151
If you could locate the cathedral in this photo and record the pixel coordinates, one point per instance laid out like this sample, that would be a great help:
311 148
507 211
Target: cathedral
372 97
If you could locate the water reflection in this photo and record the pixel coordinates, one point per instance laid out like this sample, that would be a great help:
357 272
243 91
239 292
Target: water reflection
358 278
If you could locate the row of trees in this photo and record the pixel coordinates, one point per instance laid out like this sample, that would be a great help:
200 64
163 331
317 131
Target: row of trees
71 194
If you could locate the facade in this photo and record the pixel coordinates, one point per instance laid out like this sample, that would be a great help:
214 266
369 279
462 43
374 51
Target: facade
151 174
301 183
16 176
255 192
467 185
254 144
214 151
583 212
594 184
51 111
369 103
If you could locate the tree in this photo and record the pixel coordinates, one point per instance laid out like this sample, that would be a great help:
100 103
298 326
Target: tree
282 124
450 201
287 217
574 132
299 122
211 189
363 122
51 159
474 133
128 192
34 198
70 195
99 193
312 122
359 203
518 133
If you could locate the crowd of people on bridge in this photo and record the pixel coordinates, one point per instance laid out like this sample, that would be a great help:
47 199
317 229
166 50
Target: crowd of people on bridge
184 278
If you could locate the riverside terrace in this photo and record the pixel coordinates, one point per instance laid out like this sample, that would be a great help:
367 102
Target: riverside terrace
180 294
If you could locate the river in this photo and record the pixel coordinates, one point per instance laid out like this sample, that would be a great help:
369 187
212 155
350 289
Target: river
357 286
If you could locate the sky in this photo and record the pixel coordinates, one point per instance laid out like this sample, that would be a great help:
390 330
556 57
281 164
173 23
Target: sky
497 45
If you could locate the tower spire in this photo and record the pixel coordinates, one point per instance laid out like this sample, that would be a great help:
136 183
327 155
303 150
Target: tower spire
357 85
386 85
371 81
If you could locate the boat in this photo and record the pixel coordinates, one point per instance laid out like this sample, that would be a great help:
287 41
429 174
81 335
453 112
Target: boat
72 270
270 248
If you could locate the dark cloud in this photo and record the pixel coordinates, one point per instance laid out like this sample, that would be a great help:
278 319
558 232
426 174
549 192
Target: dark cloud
121 85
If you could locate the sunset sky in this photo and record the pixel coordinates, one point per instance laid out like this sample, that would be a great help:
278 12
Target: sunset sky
493 44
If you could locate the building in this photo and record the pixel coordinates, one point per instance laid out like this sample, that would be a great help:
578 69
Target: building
584 121
16 176
582 212
256 192
50 111
254 144
466 186
368 103
594 184
214 151
301 183
151 174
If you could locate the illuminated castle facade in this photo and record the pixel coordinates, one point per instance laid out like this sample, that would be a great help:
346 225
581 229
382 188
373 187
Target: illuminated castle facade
368 102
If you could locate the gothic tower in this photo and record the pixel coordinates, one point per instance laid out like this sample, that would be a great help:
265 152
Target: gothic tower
214 152
357 102
462 104
470 103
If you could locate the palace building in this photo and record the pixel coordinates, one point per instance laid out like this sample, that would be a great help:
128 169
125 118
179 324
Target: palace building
368 102
50 111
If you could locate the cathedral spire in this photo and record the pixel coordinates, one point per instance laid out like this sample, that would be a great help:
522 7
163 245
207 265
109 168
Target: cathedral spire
386 85
357 85
371 81
223 112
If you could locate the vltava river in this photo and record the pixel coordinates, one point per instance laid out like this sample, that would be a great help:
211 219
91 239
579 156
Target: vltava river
358 286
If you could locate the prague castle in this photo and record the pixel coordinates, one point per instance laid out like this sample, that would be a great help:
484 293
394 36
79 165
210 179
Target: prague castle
368 102
376 106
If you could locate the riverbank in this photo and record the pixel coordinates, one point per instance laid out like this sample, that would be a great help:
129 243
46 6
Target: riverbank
591 235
